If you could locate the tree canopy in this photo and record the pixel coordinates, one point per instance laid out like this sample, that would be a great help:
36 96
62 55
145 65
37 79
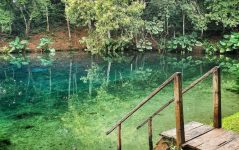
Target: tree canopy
115 25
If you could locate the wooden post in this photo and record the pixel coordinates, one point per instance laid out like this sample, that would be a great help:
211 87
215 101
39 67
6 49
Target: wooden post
119 138
180 135
217 122
150 134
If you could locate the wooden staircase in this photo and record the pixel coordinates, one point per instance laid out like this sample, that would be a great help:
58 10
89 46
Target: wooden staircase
193 135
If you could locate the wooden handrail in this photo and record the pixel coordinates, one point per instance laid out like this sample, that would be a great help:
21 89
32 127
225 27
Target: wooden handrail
193 84
144 101
178 92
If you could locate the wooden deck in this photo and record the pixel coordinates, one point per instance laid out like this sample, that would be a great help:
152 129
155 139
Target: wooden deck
204 137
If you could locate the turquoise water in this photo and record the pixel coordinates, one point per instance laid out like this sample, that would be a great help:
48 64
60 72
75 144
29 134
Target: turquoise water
67 101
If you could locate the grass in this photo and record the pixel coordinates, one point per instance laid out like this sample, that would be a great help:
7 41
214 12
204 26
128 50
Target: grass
231 122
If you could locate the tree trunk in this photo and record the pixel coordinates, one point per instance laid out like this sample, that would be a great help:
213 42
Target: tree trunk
47 20
202 32
25 22
90 25
28 27
68 27
183 23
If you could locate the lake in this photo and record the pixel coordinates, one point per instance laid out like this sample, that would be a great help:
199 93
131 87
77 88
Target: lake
68 100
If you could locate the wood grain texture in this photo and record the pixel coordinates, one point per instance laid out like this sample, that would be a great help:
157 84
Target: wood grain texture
180 135
150 134
217 122
204 137
119 145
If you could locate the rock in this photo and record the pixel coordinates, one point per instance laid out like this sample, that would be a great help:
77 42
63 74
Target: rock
4 143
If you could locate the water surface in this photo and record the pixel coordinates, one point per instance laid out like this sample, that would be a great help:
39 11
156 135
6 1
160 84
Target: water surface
69 100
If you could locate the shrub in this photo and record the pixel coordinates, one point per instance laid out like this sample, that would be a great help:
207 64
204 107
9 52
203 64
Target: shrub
229 43
5 50
44 45
18 45
183 43
210 48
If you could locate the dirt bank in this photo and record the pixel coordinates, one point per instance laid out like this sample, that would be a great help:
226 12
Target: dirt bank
59 37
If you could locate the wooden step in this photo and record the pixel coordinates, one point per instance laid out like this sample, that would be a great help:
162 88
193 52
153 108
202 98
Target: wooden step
205 137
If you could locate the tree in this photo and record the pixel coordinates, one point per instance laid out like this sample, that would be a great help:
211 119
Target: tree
112 24
197 15
29 10
44 8
224 12
6 17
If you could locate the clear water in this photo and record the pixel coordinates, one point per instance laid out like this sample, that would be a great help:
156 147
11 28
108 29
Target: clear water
49 102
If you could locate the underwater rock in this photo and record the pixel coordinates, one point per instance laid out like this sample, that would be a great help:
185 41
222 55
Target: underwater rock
25 115
28 127
92 113
4 143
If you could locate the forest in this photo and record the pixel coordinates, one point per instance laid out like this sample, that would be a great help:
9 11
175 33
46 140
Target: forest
115 26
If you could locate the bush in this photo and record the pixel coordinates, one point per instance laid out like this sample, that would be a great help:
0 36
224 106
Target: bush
183 43
18 45
230 43
44 45
5 50
210 48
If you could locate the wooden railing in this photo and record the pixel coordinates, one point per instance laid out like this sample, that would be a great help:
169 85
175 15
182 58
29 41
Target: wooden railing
178 92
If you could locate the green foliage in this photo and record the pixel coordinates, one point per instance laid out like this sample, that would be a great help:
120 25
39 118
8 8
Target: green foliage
183 43
5 50
115 24
196 14
44 45
18 45
224 12
231 122
210 48
143 45
230 43
6 19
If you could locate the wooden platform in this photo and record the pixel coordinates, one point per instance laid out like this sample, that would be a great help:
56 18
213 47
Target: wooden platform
204 137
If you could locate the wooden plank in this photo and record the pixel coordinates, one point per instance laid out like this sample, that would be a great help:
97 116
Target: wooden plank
217 142
204 138
217 122
180 134
233 145
172 133
212 140
198 132
192 130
